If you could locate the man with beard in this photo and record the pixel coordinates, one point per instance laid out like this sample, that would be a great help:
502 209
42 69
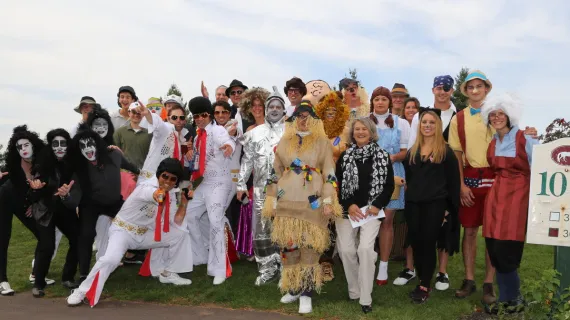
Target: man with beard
399 94
259 145
355 97
295 90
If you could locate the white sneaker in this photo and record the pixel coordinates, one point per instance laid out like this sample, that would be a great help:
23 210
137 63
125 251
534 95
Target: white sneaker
288 298
219 280
76 298
175 279
404 277
305 305
442 281
5 289
49 282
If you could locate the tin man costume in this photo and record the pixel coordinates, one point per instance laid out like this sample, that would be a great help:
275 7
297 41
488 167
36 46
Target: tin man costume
259 154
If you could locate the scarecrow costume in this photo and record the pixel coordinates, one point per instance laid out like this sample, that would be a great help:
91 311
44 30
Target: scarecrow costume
301 185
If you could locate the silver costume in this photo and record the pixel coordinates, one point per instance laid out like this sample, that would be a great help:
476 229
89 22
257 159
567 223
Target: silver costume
258 146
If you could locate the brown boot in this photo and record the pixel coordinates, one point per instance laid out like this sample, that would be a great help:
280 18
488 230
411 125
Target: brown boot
467 288
488 294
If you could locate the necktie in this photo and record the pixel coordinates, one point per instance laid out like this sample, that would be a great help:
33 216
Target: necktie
201 148
162 206
177 154
474 111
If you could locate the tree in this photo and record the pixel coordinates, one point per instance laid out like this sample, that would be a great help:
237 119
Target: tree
176 91
458 99
559 128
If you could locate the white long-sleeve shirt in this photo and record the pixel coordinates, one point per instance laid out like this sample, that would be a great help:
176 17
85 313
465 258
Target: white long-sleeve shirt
161 146
218 167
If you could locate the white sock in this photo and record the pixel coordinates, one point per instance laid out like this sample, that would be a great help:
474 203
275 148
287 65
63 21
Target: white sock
165 273
383 271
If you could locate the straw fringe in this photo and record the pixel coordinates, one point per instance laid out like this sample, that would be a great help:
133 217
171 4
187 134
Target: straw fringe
288 230
299 278
268 211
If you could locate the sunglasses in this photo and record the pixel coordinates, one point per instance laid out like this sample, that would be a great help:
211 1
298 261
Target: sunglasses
236 92
351 90
202 115
174 118
134 112
169 177
221 112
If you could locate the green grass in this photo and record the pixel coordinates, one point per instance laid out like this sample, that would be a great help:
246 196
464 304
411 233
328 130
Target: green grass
238 292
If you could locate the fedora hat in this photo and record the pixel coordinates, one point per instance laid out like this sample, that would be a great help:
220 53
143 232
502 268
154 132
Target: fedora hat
475 74
235 83
86 100
399 89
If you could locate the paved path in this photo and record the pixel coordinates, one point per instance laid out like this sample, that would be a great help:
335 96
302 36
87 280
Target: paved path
23 306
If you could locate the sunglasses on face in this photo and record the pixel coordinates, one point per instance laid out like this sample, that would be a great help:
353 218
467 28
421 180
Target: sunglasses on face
221 112
293 91
174 118
351 89
236 92
169 177
202 115
134 113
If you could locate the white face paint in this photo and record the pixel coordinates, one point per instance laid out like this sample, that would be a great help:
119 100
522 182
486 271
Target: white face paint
275 111
100 126
59 146
25 149
88 149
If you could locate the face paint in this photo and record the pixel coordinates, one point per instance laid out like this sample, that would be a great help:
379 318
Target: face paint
275 111
100 126
25 149
59 146
88 149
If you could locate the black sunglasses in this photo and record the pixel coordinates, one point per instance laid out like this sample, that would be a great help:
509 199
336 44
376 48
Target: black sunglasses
201 115
221 112
238 92
168 177
351 90
174 118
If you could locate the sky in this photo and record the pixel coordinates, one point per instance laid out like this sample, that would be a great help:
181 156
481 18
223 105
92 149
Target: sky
54 52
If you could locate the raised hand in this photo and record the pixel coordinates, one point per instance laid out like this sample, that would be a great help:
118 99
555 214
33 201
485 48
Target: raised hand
63 191
36 184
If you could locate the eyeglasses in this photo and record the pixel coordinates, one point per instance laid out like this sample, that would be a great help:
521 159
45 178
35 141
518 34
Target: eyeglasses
236 92
174 118
351 89
293 91
134 112
221 112
202 115
498 115
166 176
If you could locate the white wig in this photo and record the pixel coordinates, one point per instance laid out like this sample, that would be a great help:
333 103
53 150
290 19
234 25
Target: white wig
508 103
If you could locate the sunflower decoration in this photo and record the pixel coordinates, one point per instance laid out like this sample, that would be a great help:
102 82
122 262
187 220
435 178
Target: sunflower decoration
334 113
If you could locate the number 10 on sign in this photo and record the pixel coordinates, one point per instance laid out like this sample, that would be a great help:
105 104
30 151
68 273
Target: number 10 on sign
551 186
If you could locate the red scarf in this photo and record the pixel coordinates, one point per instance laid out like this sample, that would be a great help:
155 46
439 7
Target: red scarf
201 147
162 206
177 153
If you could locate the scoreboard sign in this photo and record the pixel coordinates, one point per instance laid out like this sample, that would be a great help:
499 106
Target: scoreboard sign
549 204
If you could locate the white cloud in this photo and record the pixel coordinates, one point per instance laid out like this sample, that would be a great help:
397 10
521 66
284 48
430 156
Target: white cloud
55 52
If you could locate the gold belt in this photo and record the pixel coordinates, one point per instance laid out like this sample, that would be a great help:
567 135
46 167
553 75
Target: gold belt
139 231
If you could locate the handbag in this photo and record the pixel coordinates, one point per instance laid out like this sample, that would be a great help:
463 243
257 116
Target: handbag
398 183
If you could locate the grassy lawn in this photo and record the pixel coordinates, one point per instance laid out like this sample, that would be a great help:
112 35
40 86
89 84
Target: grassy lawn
389 302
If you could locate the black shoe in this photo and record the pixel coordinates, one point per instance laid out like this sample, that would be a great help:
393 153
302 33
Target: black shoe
366 309
70 284
38 293
419 296
515 306
81 279
136 259
404 277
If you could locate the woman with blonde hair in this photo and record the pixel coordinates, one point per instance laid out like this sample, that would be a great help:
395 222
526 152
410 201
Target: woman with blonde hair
432 198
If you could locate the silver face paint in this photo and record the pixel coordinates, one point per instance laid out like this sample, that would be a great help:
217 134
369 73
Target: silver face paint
275 111
100 126
88 148
25 149
59 147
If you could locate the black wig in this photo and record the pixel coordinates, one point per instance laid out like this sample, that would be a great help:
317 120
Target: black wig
47 161
171 166
13 159
99 112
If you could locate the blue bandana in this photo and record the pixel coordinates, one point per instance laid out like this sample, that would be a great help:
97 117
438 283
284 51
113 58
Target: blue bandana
446 81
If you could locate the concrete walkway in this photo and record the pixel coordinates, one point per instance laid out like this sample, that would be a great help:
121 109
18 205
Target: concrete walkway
23 306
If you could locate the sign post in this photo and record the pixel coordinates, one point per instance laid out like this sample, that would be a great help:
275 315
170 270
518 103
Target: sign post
549 204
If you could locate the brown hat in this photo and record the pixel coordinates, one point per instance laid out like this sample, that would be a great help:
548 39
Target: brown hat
400 89
380 91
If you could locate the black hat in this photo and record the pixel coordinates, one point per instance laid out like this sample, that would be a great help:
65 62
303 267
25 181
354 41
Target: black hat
434 110
235 83
304 105
200 105
130 90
